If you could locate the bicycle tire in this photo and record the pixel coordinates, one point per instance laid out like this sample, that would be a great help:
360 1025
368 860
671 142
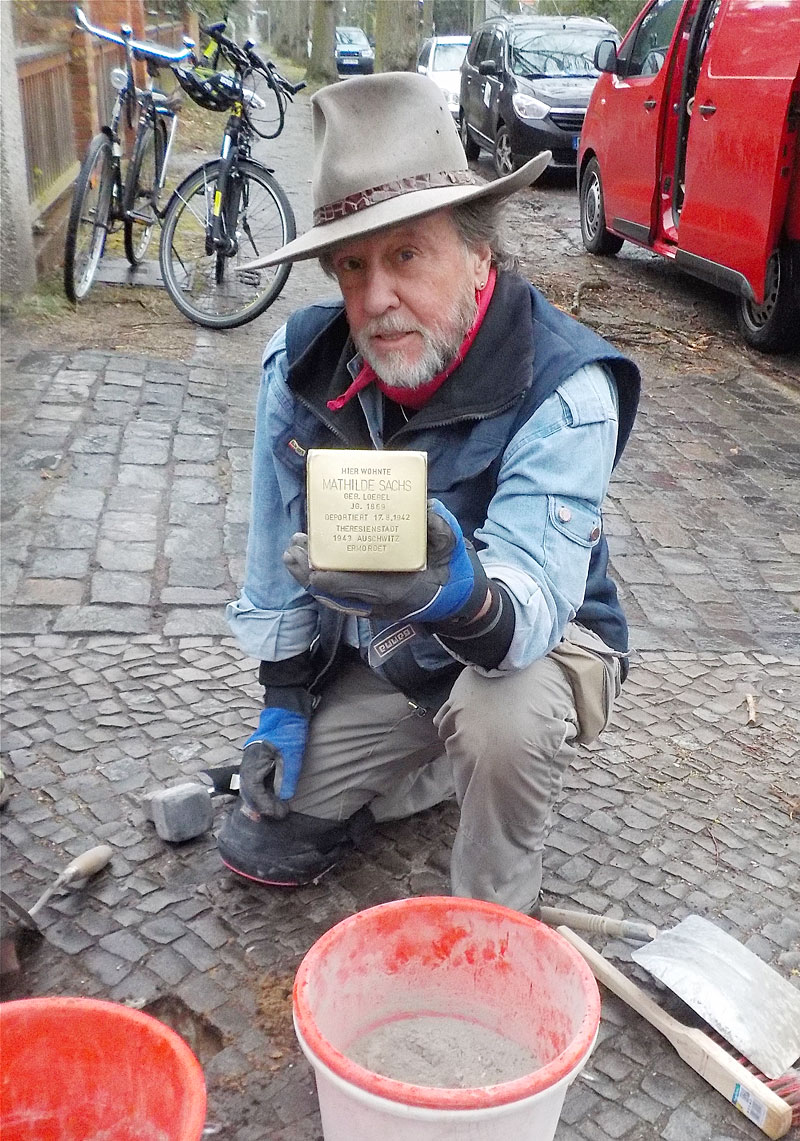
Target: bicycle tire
265 222
87 226
141 190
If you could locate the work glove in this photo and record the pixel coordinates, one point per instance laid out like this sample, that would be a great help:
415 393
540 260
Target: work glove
443 590
273 754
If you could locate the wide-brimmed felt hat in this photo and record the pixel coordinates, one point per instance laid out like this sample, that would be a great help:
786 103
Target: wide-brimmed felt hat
386 150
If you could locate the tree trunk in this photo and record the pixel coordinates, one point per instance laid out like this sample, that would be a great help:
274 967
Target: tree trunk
287 27
322 65
396 35
426 29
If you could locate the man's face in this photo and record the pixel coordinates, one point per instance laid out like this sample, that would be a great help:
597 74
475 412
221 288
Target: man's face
409 292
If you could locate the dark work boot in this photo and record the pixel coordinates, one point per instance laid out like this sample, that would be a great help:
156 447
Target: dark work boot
290 852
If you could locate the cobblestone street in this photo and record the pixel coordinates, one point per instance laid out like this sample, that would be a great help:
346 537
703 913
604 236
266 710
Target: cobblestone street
125 507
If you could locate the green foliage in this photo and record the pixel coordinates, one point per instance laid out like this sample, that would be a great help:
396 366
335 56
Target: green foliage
42 21
210 11
452 17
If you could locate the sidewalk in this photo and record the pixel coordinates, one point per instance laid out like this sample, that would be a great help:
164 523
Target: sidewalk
126 489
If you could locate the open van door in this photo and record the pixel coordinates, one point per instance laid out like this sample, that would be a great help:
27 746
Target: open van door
632 132
740 159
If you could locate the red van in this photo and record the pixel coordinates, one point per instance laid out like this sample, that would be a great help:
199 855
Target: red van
690 147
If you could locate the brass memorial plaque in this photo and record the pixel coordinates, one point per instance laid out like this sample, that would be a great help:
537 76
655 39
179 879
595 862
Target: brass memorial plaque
367 511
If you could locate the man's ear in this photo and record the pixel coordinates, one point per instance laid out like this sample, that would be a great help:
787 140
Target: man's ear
482 262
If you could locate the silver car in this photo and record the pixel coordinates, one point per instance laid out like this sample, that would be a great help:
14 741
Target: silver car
441 57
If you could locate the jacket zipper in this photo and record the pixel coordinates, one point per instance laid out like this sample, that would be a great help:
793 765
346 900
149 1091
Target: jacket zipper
459 419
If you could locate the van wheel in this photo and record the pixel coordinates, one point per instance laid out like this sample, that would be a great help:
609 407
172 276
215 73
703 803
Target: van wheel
504 160
774 326
596 237
471 148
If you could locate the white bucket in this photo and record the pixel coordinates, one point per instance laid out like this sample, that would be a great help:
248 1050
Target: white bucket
445 957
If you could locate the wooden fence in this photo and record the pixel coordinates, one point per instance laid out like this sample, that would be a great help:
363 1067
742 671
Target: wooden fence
52 156
47 123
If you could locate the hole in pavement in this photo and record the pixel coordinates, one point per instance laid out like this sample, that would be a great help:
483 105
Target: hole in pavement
198 1033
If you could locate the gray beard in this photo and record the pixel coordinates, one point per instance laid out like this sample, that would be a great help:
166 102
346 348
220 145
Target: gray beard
441 342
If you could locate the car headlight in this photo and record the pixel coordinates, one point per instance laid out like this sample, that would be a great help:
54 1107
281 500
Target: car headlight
529 108
367 53
452 100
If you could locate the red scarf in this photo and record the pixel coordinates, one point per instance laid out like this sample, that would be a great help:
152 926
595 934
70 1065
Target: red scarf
417 397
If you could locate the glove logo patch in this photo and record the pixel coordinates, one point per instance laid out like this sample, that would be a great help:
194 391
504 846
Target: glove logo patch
392 639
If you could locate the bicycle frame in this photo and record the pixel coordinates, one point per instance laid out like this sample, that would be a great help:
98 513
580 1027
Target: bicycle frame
236 139
129 96
235 145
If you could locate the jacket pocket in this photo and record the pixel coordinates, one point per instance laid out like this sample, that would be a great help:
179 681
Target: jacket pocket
594 680
575 519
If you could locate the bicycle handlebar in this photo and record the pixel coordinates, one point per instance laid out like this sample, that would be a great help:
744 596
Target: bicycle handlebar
247 57
145 50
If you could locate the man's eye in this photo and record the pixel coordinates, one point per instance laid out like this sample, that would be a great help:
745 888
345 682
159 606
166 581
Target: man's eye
348 265
406 255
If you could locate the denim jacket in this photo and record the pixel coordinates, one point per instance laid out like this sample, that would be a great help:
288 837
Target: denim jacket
538 478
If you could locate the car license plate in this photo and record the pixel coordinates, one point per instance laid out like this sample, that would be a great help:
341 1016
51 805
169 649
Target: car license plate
576 142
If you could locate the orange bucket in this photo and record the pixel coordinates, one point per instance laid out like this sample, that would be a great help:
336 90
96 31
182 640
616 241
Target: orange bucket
80 1069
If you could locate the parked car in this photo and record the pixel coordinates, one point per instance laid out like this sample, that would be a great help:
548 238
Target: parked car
690 147
354 53
441 57
525 85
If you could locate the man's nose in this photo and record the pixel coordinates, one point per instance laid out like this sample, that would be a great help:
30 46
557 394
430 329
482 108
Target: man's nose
380 292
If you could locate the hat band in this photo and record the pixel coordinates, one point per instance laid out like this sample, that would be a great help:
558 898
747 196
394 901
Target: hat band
364 198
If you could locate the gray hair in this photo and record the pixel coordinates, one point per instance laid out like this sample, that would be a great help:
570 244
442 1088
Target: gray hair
483 220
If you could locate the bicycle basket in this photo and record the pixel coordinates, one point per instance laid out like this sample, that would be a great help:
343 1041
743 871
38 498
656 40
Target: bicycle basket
217 91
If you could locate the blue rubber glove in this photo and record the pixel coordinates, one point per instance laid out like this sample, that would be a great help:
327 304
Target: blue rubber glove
272 759
434 594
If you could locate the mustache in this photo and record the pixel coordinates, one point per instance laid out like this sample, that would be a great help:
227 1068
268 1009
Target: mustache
390 323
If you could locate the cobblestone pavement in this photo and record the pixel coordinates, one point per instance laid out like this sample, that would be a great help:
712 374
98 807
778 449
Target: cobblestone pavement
125 509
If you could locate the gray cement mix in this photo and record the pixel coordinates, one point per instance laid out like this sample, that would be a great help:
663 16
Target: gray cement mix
442 1051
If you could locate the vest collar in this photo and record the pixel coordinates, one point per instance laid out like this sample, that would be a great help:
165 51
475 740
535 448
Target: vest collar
493 375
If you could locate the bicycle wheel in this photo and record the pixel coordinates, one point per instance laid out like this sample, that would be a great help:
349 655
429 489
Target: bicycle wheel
140 198
88 219
210 288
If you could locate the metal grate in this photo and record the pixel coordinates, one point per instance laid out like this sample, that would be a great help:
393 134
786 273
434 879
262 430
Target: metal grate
46 102
568 120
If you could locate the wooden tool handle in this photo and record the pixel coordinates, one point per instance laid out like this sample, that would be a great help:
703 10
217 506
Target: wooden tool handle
87 864
749 1094
598 924
83 866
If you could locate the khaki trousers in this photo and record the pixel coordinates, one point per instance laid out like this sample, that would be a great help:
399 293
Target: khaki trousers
500 745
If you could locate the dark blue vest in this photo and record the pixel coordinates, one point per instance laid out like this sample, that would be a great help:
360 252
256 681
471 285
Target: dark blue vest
524 350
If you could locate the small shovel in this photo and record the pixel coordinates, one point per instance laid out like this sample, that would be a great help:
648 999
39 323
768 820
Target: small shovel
740 995
759 1100
747 1002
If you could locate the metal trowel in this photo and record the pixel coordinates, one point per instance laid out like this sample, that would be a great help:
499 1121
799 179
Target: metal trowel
747 1002
78 870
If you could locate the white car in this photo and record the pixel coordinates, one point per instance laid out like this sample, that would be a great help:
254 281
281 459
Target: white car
441 58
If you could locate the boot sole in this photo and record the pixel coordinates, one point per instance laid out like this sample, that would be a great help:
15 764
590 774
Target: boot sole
278 883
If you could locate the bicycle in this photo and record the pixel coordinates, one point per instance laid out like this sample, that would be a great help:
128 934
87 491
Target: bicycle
232 209
102 197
